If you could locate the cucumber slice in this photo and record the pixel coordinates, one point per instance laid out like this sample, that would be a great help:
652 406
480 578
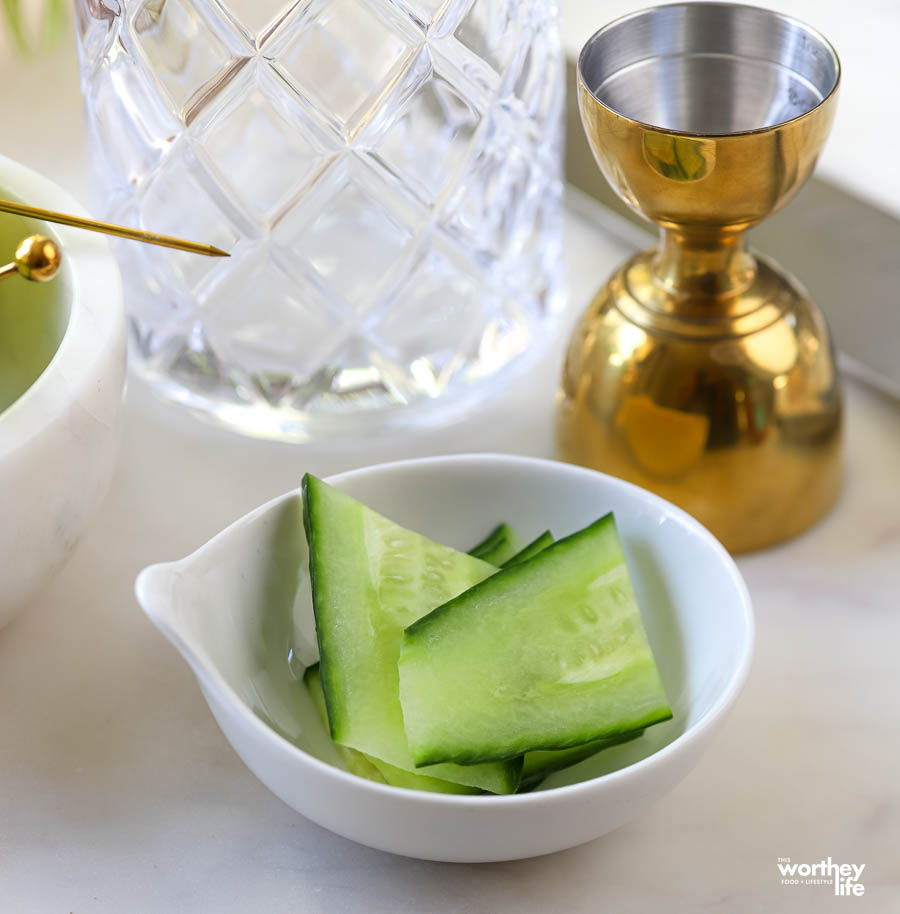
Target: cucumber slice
372 768
531 550
501 544
397 777
541 762
355 762
544 655
370 579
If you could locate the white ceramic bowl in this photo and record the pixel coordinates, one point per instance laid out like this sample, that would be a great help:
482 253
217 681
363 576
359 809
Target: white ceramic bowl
62 376
237 606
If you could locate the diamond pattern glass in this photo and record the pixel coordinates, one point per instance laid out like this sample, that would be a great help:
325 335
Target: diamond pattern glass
429 138
256 18
260 124
180 49
385 174
342 56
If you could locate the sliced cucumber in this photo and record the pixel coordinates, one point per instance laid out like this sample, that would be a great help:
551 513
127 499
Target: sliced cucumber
547 654
411 780
541 762
531 550
501 544
355 762
372 768
370 579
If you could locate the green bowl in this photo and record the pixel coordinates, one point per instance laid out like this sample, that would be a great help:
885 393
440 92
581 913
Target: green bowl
33 315
62 376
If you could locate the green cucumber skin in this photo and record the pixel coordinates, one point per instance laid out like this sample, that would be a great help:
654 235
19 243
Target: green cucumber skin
330 684
368 767
478 683
542 762
535 547
358 659
492 540
409 780
489 584
355 762
500 545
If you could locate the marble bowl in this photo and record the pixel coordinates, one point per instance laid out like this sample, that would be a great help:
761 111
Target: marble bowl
62 375
239 607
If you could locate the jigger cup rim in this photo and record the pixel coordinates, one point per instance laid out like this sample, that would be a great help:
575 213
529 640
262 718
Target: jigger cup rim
590 46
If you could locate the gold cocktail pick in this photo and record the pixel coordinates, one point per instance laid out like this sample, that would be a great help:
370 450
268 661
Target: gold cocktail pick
107 228
37 258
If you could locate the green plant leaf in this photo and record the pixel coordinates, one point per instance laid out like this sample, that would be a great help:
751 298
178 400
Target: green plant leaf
52 24
12 12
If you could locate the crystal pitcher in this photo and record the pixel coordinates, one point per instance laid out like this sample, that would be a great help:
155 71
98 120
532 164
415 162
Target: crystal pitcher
384 173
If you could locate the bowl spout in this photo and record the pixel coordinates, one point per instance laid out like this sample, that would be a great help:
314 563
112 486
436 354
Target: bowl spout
239 611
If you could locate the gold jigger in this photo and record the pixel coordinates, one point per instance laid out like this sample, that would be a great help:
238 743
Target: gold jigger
700 370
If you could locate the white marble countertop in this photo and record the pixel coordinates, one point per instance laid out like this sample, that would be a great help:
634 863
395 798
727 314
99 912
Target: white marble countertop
119 793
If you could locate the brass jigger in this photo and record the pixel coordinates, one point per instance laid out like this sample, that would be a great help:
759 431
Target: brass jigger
703 371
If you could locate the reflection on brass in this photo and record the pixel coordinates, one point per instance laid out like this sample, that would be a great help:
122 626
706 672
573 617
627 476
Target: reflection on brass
679 158
37 258
701 371
665 442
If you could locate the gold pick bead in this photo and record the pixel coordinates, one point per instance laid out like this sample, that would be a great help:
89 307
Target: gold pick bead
38 258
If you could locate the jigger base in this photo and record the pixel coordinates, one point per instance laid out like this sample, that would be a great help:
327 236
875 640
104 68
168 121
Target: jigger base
735 416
